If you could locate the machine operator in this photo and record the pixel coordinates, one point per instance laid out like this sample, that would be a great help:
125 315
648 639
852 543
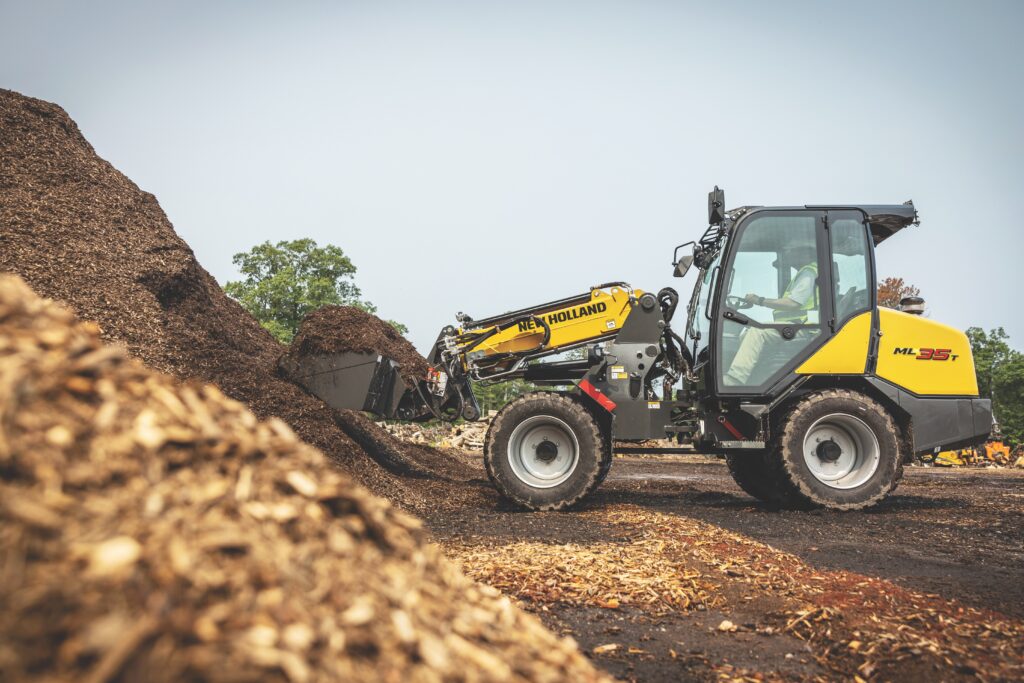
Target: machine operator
792 308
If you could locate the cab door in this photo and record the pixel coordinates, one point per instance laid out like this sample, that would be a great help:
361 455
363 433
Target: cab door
774 302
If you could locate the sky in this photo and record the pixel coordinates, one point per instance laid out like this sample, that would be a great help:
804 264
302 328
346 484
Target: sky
488 156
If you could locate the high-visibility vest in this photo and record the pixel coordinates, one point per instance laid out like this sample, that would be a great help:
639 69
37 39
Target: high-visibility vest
799 315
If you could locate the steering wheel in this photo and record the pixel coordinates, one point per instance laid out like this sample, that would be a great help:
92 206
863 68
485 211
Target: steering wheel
737 303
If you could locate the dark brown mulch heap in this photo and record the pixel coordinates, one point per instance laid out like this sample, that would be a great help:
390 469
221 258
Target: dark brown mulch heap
335 329
339 329
79 231
154 531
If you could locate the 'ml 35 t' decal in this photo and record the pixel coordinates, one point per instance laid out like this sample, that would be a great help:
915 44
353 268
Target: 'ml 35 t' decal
926 354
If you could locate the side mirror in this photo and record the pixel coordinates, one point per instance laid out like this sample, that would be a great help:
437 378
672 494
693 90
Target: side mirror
683 265
716 206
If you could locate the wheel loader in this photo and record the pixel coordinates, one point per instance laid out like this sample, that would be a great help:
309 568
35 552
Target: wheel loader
784 364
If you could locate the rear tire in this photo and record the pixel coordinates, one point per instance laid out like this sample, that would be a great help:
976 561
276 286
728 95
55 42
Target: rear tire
757 475
545 451
840 450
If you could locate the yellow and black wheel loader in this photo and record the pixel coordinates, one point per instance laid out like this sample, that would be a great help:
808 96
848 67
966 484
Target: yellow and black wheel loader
785 364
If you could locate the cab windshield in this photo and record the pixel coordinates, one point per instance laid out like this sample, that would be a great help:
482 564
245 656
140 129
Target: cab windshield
772 299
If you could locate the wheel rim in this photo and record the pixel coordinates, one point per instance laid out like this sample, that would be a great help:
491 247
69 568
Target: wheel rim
543 451
841 451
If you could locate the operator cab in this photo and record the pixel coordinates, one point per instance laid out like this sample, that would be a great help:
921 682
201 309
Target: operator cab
776 283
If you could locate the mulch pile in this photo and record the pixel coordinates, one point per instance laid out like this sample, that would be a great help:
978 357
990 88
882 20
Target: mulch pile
156 531
79 231
335 329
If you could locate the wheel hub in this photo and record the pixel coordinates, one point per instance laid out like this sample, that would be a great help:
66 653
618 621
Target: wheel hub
841 451
547 451
543 451
828 451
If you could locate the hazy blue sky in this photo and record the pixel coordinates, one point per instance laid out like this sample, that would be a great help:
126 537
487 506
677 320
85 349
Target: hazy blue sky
483 156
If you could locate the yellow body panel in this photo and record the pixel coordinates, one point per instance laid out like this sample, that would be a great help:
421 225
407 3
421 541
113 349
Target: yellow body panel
601 316
924 357
844 354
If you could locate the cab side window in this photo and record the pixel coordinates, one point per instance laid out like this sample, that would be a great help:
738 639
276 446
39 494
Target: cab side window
850 267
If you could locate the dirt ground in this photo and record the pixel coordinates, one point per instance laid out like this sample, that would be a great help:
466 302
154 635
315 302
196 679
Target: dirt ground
929 585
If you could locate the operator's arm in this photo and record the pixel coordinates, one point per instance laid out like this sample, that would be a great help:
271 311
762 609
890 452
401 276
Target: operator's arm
783 304
796 296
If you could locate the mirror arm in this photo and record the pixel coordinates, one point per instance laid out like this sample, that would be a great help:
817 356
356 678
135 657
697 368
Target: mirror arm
675 253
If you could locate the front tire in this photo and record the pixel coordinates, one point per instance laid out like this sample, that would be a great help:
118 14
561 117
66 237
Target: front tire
545 451
840 450
757 475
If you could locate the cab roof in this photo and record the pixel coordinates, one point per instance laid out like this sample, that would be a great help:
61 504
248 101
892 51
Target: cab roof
885 220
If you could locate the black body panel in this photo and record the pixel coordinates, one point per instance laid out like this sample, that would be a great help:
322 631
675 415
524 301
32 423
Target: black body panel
941 423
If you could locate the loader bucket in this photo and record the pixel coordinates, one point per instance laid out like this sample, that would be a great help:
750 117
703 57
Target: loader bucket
357 381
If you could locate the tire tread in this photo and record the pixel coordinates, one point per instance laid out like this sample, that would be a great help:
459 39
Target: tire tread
787 463
598 468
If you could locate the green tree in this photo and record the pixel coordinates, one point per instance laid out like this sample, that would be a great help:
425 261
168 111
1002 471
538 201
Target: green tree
990 350
1000 371
1008 392
495 396
285 281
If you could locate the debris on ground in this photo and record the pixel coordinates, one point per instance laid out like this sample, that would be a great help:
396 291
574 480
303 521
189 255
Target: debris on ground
410 459
635 573
466 436
158 531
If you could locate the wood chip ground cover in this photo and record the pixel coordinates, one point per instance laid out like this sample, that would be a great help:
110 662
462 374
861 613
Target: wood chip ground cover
855 625
639 573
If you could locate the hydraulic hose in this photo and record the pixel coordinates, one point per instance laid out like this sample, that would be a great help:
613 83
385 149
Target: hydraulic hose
669 299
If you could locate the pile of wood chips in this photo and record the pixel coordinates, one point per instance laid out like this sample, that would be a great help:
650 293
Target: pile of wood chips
156 531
